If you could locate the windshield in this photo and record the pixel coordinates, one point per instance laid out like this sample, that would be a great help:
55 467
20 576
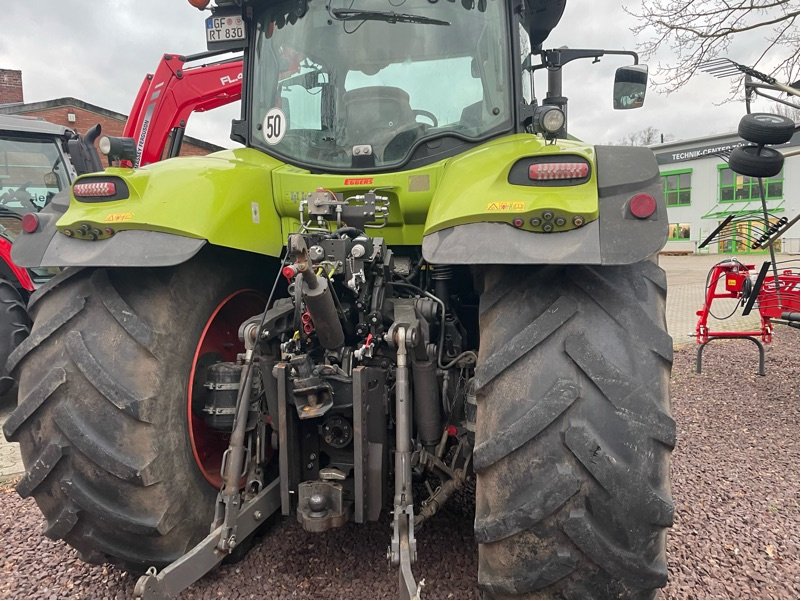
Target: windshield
31 172
358 83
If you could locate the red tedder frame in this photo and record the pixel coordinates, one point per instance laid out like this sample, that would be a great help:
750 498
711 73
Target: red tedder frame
776 298
171 94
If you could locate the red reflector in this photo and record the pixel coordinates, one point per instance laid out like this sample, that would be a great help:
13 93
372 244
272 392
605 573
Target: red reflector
548 171
452 430
642 206
30 222
95 189
289 272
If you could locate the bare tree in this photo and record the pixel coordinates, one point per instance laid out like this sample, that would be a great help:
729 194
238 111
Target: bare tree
785 111
644 137
699 30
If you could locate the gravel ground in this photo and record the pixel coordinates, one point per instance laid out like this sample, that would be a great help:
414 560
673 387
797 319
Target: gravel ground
735 483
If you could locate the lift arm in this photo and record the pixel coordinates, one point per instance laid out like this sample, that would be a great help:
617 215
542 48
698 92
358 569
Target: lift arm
174 91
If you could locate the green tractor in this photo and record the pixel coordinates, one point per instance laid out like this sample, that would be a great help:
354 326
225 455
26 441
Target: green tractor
410 280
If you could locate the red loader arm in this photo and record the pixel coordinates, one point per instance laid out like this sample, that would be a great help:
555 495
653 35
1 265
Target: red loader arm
167 97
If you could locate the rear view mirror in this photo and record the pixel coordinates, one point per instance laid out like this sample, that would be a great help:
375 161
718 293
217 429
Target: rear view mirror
630 85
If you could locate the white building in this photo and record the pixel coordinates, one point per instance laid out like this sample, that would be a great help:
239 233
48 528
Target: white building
701 191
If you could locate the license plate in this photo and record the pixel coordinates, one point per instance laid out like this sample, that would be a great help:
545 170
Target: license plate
225 29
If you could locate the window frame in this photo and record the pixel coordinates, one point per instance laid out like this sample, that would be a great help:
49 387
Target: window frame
753 187
677 172
678 228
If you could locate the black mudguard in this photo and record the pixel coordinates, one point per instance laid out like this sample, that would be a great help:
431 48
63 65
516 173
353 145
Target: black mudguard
615 238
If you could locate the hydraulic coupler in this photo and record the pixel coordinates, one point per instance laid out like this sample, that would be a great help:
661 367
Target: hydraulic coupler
317 295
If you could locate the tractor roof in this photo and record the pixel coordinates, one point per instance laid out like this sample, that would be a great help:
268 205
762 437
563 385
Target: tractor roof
543 16
31 125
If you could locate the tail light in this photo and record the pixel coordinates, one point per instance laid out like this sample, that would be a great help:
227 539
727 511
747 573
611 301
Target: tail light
95 189
558 171
642 206
100 189
30 223
550 170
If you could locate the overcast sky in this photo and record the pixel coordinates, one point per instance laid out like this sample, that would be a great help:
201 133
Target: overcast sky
100 51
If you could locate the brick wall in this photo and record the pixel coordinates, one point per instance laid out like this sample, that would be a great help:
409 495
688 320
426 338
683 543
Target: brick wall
10 86
85 119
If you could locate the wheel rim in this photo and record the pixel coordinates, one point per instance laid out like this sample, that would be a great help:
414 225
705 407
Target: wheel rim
218 342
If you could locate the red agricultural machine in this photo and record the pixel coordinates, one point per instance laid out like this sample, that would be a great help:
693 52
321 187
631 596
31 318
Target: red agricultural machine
774 290
38 162
775 296
167 98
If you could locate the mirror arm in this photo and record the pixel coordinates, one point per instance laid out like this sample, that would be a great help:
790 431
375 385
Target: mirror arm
630 53
557 58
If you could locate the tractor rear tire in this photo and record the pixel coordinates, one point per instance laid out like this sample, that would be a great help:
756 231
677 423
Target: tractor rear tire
574 432
102 418
15 325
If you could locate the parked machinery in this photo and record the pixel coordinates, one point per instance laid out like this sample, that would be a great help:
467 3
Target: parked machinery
409 277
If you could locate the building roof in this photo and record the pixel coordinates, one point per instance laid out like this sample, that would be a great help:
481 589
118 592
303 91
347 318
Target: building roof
32 107
709 141
718 145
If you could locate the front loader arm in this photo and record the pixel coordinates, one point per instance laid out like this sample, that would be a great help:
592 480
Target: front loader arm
169 95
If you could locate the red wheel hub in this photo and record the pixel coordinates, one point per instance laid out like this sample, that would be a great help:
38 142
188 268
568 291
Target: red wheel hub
218 342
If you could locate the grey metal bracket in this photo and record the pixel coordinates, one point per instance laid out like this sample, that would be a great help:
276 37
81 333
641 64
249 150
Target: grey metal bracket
205 556
699 354
403 546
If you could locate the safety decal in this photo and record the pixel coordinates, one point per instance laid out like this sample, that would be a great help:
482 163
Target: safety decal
118 217
505 206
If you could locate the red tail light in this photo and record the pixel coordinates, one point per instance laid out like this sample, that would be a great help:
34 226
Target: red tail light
95 189
642 206
30 222
551 171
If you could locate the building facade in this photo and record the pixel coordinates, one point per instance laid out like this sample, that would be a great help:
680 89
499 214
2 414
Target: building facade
701 191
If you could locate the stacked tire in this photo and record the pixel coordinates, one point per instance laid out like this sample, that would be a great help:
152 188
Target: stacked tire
762 130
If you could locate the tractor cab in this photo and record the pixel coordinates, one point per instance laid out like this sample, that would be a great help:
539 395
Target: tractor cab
337 87
34 165
371 87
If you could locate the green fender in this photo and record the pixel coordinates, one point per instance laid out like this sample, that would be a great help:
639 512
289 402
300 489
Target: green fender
477 207
224 198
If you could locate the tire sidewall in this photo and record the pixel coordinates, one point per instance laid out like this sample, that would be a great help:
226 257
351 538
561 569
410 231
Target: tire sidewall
196 289
752 161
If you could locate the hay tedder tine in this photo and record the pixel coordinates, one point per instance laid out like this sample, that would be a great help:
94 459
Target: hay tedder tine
780 232
718 229
757 287
205 556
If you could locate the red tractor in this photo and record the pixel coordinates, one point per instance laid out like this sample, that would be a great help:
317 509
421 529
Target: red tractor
35 167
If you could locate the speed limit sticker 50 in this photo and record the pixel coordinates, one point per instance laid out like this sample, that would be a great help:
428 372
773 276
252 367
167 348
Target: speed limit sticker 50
274 126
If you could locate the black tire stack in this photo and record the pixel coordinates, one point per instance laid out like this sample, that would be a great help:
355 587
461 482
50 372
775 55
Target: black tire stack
756 159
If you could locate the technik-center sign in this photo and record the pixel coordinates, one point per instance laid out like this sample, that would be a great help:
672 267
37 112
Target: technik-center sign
701 152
